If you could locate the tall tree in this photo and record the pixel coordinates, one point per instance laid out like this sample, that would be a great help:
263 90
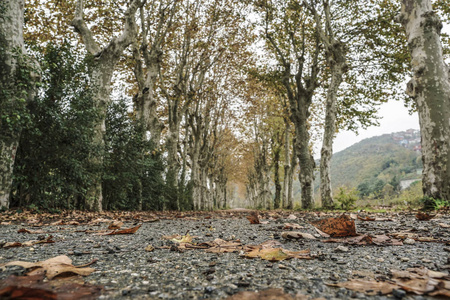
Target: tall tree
430 89
335 55
16 86
296 46
106 59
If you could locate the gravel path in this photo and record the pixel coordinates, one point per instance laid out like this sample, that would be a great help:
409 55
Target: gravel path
127 271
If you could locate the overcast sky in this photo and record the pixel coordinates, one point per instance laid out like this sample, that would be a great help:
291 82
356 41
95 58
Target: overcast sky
395 118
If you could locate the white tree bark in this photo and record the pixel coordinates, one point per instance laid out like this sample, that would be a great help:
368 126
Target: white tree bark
430 88
11 51
106 59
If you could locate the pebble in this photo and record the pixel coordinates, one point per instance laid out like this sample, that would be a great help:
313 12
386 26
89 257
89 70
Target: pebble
409 241
398 294
341 249
405 259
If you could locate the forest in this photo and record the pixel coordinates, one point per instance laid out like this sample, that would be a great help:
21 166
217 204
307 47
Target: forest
211 104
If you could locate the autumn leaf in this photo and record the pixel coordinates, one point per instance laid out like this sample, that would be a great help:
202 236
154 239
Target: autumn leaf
367 240
34 287
253 218
424 216
297 235
184 239
149 248
48 240
337 227
291 226
270 294
366 218
115 225
56 266
369 287
123 231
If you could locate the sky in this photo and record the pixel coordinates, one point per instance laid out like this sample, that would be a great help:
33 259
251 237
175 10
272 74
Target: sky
395 117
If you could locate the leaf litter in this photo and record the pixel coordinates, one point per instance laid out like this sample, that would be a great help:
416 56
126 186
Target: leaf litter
340 229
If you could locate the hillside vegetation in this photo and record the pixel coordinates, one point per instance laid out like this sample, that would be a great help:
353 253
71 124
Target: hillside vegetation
377 165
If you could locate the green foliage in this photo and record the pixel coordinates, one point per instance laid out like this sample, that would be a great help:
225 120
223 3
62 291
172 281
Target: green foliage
429 203
346 198
14 91
133 169
51 167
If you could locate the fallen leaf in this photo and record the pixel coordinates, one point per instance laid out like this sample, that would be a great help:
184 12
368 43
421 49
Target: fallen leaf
48 240
271 251
297 235
123 231
184 239
115 225
34 287
337 227
149 248
253 218
56 266
444 225
366 239
424 216
222 246
369 287
270 294
292 217
366 218
422 281
323 234
292 226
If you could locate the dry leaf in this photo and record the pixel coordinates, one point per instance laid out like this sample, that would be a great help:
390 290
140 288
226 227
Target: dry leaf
34 287
366 239
270 294
222 246
337 227
297 235
292 226
123 231
444 225
368 287
292 217
184 239
56 266
424 216
366 218
115 225
48 240
253 218
149 248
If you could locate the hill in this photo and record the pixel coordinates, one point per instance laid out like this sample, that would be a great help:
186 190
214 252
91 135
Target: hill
377 163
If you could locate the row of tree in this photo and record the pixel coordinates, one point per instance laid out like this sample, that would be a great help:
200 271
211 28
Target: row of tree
223 92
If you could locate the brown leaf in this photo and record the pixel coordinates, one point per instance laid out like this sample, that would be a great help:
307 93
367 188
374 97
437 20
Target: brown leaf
424 216
292 226
366 218
270 294
56 266
253 218
149 248
337 227
222 246
297 235
123 231
422 281
366 239
34 288
115 225
368 287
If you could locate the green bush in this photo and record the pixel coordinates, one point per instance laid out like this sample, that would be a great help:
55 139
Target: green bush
346 198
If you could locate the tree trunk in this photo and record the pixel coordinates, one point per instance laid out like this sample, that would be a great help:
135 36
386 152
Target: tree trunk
106 60
430 89
337 63
277 200
173 165
305 158
12 61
